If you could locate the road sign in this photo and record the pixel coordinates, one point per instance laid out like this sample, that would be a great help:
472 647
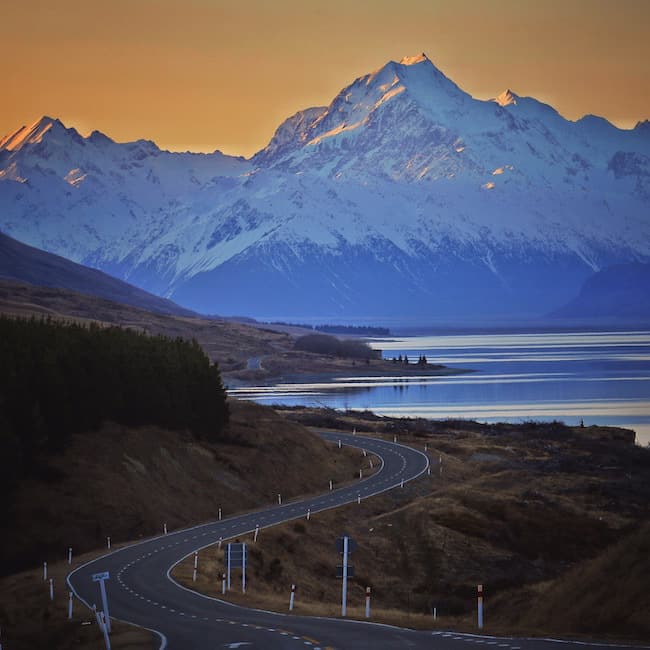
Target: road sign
339 571
237 555
98 577
101 578
352 545
236 558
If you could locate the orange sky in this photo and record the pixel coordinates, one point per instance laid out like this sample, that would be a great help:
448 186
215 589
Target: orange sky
207 74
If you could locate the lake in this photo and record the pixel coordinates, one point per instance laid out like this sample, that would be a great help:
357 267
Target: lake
597 377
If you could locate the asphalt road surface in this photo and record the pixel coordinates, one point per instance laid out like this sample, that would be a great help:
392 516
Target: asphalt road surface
141 591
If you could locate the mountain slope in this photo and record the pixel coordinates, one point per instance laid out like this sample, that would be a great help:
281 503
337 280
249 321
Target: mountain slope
620 291
31 265
405 197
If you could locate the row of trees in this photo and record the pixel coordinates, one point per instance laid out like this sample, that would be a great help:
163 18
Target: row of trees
330 345
422 360
357 330
58 379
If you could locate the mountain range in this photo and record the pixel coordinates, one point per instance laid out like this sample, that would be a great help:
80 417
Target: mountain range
405 198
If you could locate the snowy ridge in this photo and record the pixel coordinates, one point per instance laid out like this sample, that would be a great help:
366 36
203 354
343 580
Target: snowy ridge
403 182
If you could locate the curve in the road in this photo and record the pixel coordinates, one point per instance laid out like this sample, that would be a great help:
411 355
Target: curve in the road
141 591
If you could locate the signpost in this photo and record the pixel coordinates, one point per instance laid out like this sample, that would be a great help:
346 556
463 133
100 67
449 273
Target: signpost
345 545
236 558
101 578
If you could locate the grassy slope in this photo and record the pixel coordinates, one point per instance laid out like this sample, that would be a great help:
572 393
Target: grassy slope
138 479
229 343
509 510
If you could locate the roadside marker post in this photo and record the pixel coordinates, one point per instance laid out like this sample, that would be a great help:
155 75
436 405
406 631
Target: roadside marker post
344 592
367 602
51 589
279 499
435 613
108 543
257 532
194 575
219 514
291 598
354 431
345 545
331 486
370 463
308 513
228 564
401 484
429 470
165 528
70 555
394 438
220 540
480 606
44 571
70 596
339 444
365 453
196 560
223 583
360 473
243 569
425 446
359 499
101 578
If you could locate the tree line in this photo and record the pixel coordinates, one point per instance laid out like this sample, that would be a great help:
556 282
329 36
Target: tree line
330 345
58 379
357 330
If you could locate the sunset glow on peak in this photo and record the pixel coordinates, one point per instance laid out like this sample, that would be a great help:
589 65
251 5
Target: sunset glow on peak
506 98
412 60
231 75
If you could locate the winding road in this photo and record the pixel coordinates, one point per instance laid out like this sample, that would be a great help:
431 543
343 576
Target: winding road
142 592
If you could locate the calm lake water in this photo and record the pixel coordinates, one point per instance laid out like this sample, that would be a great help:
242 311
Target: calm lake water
598 377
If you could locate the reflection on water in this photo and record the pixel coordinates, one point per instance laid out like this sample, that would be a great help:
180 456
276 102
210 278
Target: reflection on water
598 377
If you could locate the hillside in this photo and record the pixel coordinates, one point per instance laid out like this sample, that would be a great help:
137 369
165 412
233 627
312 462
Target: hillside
582 601
127 483
30 265
139 478
403 197
620 292
230 343
530 511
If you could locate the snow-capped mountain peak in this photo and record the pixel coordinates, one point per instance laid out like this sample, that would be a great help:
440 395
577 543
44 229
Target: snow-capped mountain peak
32 134
404 196
413 60
506 98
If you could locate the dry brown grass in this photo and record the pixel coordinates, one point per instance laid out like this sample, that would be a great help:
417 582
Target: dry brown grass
140 478
229 343
512 513
31 620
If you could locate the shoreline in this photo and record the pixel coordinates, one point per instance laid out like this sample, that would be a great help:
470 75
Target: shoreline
265 377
